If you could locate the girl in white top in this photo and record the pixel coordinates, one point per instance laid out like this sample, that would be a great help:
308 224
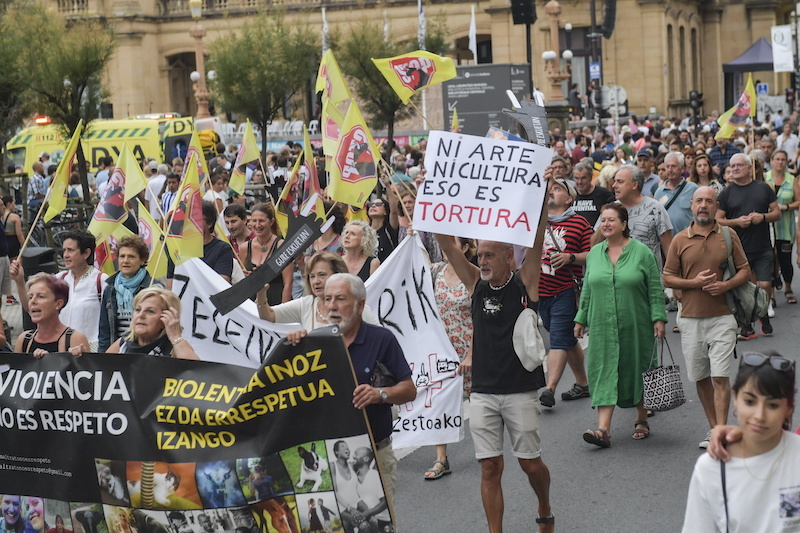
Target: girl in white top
86 285
309 311
762 478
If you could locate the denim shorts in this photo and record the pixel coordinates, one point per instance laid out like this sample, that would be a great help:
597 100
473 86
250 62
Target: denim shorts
558 316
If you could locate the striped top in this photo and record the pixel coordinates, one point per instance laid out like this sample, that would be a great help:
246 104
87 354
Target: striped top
572 236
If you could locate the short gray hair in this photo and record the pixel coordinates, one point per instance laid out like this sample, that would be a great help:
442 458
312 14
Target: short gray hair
744 156
163 169
583 166
369 237
637 176
356 285
675 155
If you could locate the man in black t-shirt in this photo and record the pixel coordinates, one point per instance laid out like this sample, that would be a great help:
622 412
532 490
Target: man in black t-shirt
503 391
590 197
749 206
216 253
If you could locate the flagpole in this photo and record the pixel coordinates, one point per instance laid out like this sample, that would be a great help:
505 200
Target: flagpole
422 114
35 220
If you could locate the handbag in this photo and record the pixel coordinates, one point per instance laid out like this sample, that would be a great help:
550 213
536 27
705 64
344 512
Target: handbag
663 388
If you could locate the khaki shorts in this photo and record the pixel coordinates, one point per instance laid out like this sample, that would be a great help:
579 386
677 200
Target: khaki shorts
708 345
490 413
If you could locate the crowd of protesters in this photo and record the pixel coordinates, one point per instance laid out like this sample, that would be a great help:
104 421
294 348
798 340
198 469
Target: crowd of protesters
627 207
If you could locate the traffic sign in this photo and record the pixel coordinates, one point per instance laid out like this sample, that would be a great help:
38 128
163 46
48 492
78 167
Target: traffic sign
594 70
762 88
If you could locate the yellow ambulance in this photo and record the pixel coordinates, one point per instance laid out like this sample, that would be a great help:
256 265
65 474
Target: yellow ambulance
160 136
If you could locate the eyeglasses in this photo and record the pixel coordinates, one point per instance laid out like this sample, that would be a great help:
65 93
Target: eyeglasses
777 362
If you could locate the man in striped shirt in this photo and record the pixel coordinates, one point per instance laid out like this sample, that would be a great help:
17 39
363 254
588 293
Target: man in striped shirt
168 196
567 240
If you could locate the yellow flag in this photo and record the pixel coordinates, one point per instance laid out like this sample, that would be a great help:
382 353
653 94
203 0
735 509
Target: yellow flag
125 183
248 151
330 80
196 149
154 238
311 183
454 127
106 251
737 115
412 72
353 174
291 197
185 230
356 214
332 119
58 187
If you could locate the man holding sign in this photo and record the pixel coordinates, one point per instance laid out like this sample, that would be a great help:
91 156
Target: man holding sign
503 391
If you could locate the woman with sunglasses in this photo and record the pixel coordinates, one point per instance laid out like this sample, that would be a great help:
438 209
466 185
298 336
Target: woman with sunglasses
378 212
761 466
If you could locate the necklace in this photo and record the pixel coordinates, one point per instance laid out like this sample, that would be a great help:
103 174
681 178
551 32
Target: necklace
503 286
774 463
316 308
264 247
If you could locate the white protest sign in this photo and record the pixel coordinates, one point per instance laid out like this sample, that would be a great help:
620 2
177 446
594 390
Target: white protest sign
482 188
238 338
400 294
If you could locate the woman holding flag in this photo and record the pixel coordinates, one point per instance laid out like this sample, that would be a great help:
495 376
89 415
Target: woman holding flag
116 309
261 248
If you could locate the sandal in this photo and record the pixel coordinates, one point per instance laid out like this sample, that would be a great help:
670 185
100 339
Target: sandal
641 434
438 469
790 299
546 521
676 329
598 437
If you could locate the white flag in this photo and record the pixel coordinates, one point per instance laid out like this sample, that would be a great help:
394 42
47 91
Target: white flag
782 49
385 27
473 36
421 31
325 43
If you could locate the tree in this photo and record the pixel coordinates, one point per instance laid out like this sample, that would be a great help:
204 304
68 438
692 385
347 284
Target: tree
354 54
13 106
61 68
260 67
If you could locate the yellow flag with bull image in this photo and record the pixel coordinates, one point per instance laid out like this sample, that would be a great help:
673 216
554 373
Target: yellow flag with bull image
354 168
410 73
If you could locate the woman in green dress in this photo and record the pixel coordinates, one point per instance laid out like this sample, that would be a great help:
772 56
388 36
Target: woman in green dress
622 304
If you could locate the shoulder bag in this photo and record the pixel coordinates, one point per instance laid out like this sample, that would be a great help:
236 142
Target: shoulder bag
748 302
663 388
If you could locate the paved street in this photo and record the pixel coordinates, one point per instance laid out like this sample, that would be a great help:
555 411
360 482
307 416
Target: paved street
632 486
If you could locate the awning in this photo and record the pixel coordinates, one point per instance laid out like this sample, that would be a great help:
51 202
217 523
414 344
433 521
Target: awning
757 58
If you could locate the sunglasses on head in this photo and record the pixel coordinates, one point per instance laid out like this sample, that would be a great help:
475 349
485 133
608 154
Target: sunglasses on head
777 362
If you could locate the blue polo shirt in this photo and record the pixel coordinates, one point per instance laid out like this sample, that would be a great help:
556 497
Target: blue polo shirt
680 212
374 343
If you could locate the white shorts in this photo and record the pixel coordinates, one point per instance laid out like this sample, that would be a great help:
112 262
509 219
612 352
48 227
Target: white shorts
708 345
490 413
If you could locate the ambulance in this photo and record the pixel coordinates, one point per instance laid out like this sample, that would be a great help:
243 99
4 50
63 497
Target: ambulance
160 136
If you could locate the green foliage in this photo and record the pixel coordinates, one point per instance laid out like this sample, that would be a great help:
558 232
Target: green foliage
262 65
62 67
437 36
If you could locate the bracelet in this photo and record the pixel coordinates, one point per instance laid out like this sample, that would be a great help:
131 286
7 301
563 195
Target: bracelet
571 258
765 218
177 341
262 306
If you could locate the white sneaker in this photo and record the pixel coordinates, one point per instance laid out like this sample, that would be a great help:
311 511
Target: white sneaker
704 443
771 311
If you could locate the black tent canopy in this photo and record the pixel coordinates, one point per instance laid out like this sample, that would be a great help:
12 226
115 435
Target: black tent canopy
757 58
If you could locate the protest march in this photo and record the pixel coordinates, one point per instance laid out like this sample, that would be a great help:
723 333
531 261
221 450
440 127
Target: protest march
239 341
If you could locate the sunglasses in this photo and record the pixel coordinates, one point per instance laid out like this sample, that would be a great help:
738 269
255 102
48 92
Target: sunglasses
375 204
777 362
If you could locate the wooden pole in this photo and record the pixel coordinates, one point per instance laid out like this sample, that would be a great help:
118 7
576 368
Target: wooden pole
422 114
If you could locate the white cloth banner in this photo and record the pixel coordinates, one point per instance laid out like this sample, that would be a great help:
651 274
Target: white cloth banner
482 188
238 338
400 294
782 49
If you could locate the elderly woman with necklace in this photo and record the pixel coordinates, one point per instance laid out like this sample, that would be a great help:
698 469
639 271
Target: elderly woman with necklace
261 248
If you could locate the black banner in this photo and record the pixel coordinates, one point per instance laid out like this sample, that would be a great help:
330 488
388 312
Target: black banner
138 444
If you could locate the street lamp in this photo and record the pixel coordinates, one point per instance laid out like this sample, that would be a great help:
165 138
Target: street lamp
552 69
198 76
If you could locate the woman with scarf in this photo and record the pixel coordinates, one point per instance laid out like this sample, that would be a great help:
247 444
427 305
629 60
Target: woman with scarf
116 309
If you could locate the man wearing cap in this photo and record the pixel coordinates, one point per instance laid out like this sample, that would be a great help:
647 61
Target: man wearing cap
646 163
44 157
567 240
590 197
721 154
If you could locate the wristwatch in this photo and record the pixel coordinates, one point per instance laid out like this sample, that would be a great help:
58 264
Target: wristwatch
571 258
384 396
